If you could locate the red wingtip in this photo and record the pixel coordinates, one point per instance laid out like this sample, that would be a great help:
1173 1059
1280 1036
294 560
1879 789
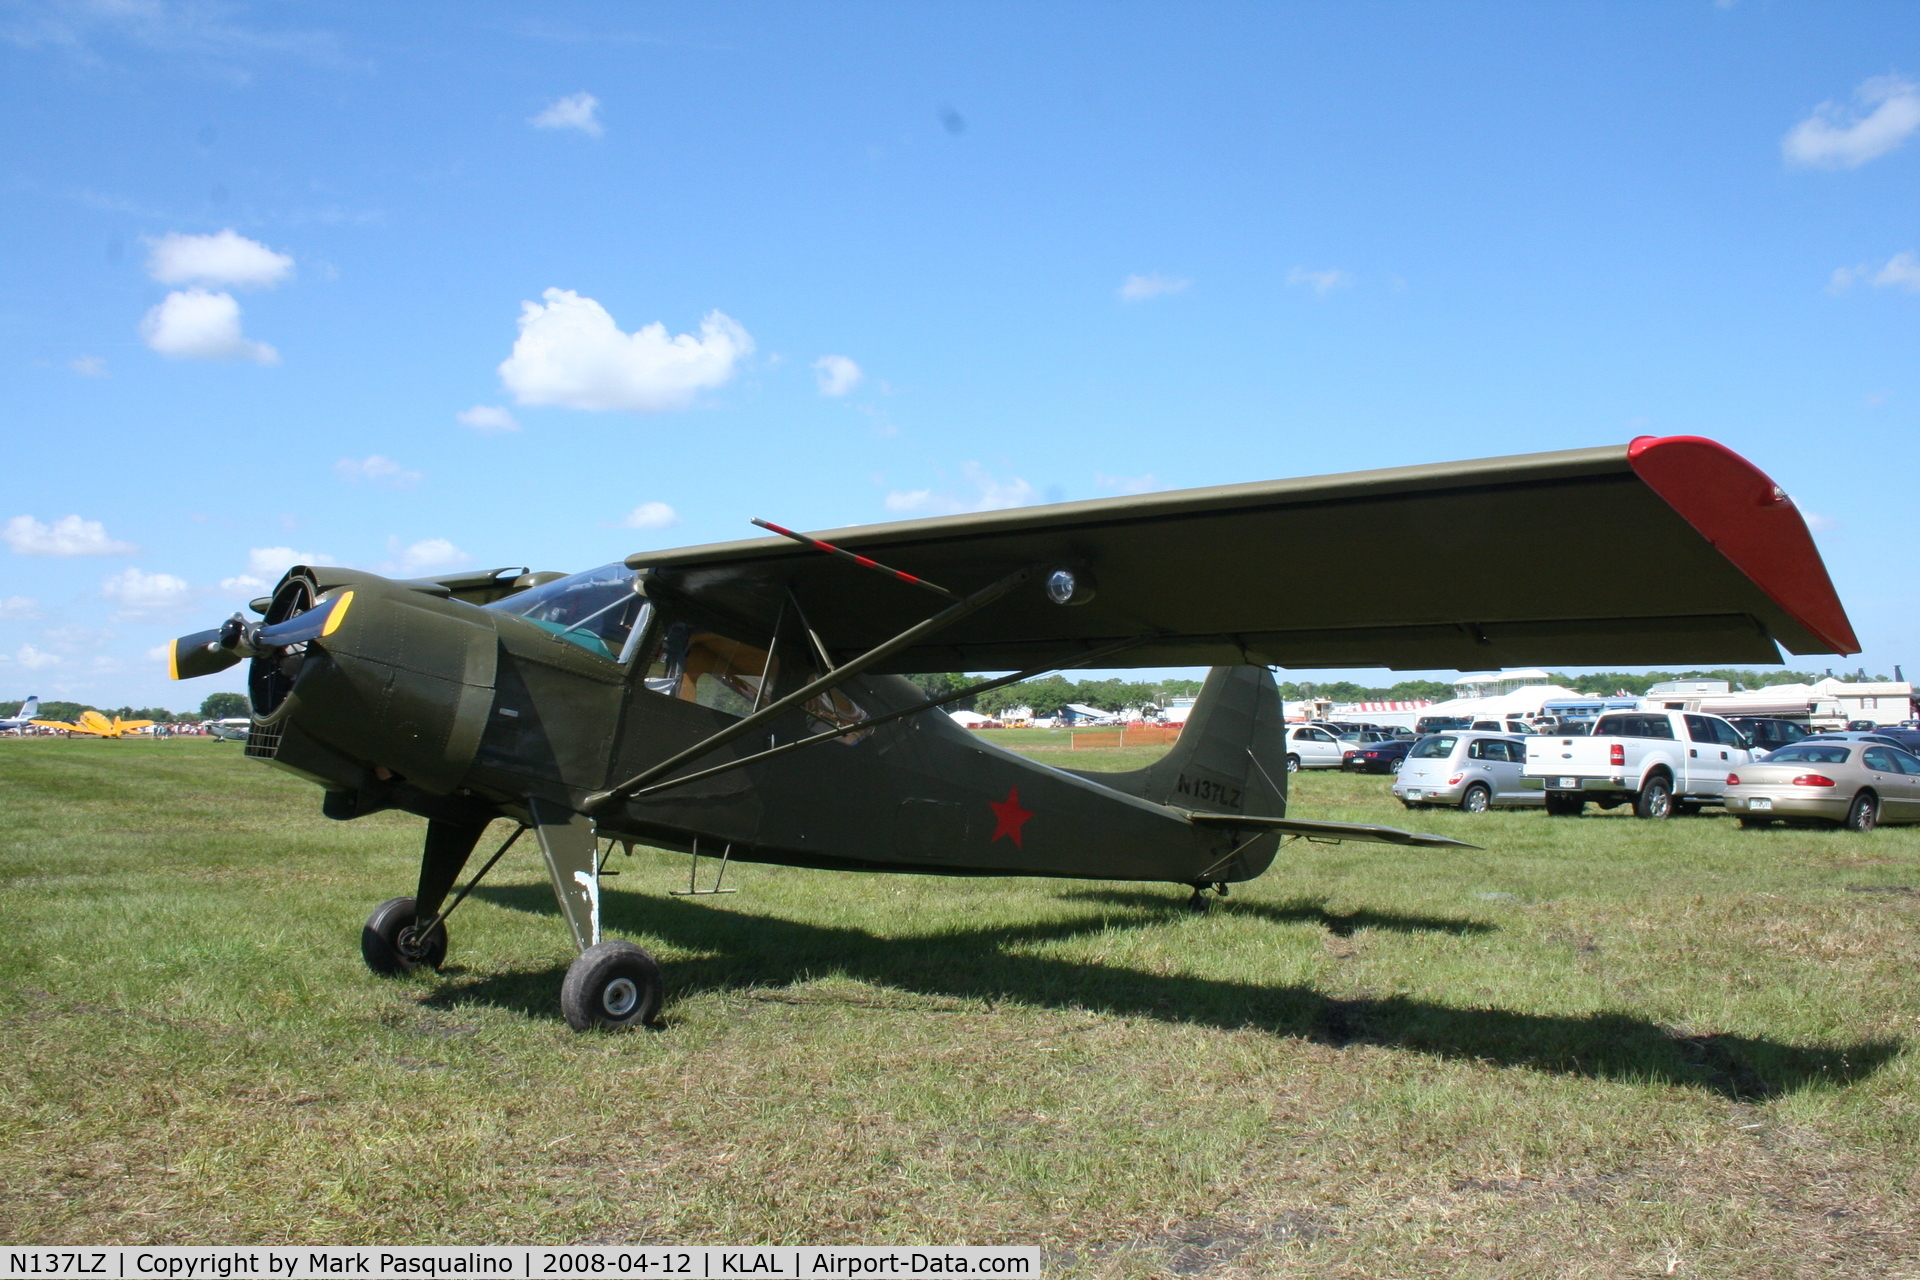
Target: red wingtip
1752 522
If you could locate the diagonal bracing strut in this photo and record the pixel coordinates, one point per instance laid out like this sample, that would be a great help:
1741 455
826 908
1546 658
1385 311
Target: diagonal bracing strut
879 720
980 599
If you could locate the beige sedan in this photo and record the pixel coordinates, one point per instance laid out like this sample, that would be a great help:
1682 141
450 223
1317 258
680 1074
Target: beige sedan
1856 784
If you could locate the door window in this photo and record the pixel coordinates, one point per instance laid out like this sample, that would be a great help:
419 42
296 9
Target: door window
1880 758
704 667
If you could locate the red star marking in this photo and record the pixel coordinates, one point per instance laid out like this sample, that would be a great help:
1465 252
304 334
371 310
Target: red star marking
1009 817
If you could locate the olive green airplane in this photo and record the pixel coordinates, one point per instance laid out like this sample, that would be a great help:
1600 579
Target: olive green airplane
746 702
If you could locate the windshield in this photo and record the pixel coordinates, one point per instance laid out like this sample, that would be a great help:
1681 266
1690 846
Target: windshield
597 610
1808 753
1434 748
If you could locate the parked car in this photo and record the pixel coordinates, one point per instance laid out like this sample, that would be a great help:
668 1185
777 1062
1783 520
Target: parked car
1877 736
1906 739
1768 734
1436 724
1384 756
1661 762
1471 771
1855 782
1311 747
1498 726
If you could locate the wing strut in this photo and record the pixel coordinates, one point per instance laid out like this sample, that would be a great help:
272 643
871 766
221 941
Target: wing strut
877 721
832 680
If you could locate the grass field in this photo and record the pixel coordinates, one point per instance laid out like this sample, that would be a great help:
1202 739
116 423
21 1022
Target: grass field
1599 1047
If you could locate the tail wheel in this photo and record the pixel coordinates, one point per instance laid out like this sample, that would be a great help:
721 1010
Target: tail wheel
1864 815
1293 763
1477 799
1655 799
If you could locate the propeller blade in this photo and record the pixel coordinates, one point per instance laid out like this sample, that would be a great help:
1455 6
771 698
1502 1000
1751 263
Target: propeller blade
199 654
321 620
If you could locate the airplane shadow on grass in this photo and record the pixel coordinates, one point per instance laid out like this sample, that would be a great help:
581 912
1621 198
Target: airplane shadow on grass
735 950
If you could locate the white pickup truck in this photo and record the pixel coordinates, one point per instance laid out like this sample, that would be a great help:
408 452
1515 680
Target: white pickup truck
1660 762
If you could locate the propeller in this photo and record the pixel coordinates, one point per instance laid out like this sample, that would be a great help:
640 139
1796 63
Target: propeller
199 654
206 652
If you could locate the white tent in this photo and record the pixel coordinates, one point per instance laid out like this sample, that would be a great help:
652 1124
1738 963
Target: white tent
971 719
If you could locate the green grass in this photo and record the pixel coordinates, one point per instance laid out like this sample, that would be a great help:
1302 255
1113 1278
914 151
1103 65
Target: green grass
1597 1047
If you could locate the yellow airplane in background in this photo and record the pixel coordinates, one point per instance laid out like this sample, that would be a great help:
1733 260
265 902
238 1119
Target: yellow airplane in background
96 725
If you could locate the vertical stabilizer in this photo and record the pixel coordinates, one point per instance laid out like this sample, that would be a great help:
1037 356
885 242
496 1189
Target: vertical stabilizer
1232 754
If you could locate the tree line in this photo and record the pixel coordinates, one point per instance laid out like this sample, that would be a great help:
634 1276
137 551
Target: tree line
217 706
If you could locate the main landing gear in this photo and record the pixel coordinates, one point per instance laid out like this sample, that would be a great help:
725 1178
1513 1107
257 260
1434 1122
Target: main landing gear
611 985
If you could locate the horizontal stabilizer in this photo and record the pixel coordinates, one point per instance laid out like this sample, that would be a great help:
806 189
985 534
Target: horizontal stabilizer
1364 831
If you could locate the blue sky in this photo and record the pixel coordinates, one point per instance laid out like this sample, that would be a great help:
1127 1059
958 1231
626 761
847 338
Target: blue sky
260 260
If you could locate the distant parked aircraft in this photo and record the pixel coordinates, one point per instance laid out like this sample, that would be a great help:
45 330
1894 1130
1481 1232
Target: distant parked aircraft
28 710
95 725
232 729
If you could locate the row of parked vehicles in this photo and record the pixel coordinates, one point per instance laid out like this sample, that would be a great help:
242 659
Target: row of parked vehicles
1660 763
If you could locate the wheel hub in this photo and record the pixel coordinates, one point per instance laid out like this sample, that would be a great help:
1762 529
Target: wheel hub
619 997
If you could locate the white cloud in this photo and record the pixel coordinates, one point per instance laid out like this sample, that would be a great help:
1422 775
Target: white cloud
266 564
19 608
429 555
1835 138
1140 288
67 536
197 325
487 419
141 594
575 111
222 259
836 375
1901 271
376 469
989 493
89 366
32 659
650 515
1321 282
571 353
1817 523
160 652
1127 484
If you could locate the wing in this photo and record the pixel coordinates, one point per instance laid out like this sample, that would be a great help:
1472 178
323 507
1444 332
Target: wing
1666 550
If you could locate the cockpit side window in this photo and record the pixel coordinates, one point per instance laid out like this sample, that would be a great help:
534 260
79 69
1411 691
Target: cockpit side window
701 666
696 664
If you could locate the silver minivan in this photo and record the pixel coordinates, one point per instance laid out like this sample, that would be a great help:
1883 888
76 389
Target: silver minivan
1465 770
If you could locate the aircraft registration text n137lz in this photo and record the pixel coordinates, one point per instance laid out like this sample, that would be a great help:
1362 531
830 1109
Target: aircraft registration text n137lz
747 698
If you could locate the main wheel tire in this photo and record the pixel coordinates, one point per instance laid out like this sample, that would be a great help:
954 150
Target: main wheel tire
1655 800
1864 814
1478 799
611 985
1293 764
1560 805
389 946
1755 824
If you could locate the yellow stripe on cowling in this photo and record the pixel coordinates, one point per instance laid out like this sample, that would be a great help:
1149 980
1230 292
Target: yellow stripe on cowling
338 615
173 658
